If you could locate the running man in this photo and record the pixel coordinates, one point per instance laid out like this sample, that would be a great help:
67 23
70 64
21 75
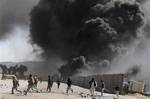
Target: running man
15 84
30 84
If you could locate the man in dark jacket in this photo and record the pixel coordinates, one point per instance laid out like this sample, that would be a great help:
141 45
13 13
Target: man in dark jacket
50 84
58 83
69 83
93 85
117 91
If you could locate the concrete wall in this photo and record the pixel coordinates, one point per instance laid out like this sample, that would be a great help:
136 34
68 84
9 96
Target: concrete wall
7 76
110 80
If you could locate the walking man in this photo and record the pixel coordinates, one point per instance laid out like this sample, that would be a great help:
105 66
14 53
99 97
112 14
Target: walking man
35 80
93 85
30 83
117 91
50 84
69 83
15 84
58 83
102 87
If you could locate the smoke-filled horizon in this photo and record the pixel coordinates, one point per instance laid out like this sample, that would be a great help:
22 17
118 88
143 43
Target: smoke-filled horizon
88 34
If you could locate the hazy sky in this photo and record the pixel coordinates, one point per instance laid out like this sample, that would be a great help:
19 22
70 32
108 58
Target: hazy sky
14 31
17 46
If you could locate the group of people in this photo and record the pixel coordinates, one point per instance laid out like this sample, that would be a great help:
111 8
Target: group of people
33 82
93 86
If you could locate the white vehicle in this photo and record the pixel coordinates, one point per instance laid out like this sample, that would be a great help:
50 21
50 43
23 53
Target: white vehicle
135 86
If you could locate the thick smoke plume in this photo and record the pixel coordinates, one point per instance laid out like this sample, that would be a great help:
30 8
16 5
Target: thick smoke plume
95 29
133 71
142 1
72 66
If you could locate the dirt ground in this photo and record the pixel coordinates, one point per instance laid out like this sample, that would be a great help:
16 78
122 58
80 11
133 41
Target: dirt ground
79 93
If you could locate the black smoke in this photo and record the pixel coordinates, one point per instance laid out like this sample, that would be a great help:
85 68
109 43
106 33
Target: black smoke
72 66
134 70
142 1
95 29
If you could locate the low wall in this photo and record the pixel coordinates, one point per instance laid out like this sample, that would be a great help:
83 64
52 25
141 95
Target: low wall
110 80
7 76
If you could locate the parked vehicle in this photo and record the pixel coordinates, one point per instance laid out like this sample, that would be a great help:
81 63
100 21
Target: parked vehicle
135 86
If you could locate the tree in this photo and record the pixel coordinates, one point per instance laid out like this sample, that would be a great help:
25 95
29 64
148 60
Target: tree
4 69
21 70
